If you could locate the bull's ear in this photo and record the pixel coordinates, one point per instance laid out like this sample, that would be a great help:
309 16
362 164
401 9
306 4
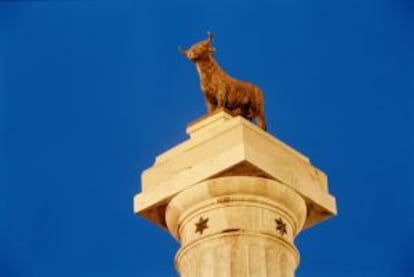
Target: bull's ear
212 49
182 51
210 37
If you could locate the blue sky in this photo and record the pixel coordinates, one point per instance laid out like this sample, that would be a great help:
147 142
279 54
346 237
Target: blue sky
92 91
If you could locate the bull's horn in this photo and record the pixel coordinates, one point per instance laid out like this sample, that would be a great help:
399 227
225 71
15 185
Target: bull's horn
210 37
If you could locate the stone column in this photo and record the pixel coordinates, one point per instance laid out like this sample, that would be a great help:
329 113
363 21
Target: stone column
235 198
236 226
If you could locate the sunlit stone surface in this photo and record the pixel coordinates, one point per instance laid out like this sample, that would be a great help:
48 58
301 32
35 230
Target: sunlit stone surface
234 197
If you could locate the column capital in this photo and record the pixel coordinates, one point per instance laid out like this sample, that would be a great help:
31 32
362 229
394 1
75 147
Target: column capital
221 145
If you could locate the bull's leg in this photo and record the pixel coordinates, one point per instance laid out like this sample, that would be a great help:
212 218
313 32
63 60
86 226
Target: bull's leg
221 97
210 106
261 122
260 114
246 108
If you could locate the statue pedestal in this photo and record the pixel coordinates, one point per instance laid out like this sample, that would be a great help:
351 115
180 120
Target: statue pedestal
235 198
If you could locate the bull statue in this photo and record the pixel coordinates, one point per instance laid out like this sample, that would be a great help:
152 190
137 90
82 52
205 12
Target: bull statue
223 91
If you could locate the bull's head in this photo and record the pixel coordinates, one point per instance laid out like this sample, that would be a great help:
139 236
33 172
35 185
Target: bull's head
200 49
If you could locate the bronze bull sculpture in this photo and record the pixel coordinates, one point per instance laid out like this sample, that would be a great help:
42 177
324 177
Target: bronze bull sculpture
223 91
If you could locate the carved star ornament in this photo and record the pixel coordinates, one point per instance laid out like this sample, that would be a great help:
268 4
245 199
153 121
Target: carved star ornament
281 226
201 225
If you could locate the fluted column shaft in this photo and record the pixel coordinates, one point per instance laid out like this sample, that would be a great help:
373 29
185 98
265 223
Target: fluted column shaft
236 226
